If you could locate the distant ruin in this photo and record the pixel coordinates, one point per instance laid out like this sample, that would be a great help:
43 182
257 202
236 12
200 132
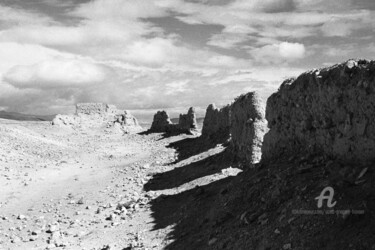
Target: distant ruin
188 121
216 124
160 122
98 115
163 124
92 108
329 111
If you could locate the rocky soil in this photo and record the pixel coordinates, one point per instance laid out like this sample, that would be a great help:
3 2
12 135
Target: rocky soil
85 188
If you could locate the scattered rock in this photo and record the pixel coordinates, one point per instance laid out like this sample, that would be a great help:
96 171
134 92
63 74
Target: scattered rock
21 217
80 201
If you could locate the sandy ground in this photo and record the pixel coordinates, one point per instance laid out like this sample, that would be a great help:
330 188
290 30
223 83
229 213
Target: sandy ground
84 189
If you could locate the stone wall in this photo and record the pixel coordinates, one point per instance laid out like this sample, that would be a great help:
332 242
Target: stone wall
91 115
163 124
329 111
188 121
91 108
160 122
216 124
248 126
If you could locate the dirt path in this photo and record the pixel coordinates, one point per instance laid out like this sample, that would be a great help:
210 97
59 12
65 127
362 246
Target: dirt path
95 189
77 190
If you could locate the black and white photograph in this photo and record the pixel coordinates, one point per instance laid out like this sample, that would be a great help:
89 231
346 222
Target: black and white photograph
187 124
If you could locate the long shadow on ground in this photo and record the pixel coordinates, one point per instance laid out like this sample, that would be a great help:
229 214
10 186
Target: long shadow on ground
257 208
165 135
187 211
193 146
184 174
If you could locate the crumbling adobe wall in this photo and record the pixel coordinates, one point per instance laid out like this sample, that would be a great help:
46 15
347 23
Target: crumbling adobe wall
330 111
91 108
163 124
248 126
216 124
160 122
126 119
188 121
98 115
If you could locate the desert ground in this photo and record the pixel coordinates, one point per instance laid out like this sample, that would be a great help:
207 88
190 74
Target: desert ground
90 188
73 185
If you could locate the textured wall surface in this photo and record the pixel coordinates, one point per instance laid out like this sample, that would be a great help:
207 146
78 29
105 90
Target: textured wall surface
216 123
91 108
248 126
98 115
188 121
160 122
330 111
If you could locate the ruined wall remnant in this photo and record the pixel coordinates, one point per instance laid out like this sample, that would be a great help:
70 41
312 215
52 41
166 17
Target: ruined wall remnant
163 124
160 122
91 108
216 124
98 115
66 120
188 121
248 126
126 119
330 111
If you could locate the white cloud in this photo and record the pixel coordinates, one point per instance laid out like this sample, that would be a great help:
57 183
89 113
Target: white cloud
12 54
291 50
278 53
56 73
269 6
177 87
119 9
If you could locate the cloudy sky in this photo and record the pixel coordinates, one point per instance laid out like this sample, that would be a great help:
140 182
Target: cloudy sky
144 55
